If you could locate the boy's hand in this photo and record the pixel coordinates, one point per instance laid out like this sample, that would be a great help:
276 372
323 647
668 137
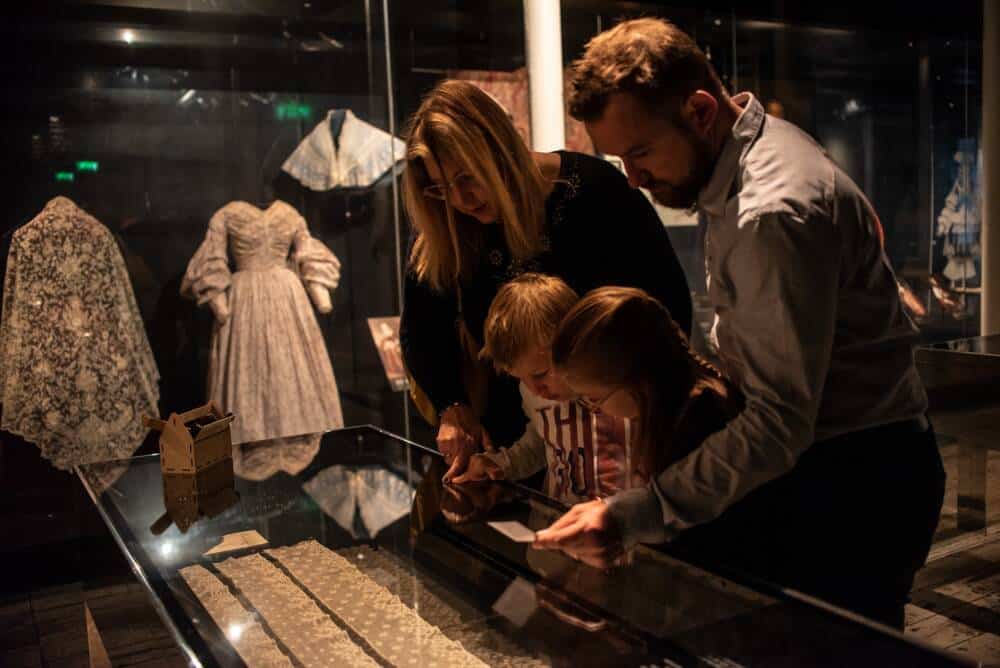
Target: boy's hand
480 467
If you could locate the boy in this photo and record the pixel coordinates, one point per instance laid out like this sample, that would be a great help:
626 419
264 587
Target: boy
562 435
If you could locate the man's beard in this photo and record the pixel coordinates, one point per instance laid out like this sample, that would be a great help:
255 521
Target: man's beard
685 195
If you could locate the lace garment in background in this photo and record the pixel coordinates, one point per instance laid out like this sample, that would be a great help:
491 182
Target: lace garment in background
960 222
360 156
76 370
379 496
269 364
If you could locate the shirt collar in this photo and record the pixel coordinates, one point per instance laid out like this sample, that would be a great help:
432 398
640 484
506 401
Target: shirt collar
712 198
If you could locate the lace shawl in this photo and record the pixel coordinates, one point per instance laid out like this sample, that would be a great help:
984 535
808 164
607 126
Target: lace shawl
76 369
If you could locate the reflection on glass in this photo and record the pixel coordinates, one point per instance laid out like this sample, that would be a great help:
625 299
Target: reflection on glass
262 459
363 500
188 497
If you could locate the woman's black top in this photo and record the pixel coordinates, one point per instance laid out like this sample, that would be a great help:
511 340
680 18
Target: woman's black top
598 231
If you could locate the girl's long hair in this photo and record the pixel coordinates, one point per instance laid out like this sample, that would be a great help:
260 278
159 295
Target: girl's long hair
625 339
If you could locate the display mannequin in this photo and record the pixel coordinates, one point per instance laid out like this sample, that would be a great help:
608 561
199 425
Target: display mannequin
269 364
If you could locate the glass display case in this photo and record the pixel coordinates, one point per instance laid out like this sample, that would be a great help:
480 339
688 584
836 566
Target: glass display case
357 554
239 161
893 95
153 115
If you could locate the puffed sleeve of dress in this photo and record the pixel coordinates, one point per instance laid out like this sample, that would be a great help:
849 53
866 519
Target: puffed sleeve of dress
315 263
208 274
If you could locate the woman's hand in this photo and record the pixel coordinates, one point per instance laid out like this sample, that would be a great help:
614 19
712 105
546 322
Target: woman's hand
458 438
480 467
586 533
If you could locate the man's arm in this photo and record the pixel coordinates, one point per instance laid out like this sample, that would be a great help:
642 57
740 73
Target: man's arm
781 283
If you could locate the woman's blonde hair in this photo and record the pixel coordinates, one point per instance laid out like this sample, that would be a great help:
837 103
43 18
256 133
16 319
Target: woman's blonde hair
461 124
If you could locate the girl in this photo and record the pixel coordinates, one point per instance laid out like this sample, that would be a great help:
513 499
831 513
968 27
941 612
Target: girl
622 354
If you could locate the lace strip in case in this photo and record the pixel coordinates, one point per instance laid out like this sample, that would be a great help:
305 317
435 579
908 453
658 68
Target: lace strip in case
248 638
394 631
301 626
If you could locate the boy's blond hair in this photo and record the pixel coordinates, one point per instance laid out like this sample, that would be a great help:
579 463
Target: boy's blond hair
525 314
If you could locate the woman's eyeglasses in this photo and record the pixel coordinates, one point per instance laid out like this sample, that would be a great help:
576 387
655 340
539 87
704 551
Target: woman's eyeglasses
595 406
462 182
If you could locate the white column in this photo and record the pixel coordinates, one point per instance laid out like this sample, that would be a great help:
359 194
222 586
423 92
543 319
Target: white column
543 47
991 168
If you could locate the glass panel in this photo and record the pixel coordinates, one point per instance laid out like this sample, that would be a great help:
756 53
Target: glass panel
155 117
956 163
897 104
391 533
898 110
713 31
480 42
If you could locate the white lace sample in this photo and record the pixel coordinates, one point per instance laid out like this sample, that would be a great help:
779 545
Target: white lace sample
249 640
308 632
76 370
363 153
269 364
381 497
456 618
433 603
396 633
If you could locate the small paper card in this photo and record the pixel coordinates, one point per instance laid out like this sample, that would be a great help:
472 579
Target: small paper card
516 531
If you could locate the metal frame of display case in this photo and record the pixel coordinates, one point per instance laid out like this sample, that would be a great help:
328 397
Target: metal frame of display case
463 544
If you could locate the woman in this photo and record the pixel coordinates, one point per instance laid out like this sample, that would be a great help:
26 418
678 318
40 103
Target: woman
485 209
620 351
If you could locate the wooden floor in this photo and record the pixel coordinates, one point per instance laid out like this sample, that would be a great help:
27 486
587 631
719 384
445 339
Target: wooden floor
47 627
956 599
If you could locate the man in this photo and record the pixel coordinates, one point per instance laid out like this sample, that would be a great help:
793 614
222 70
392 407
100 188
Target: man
830 480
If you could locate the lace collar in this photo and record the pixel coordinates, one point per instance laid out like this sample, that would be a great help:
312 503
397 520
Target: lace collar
362 154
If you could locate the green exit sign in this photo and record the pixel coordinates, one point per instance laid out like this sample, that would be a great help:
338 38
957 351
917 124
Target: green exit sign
65 177
293 111
87 166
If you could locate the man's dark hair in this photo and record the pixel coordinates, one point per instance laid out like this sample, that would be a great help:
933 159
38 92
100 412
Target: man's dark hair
650 58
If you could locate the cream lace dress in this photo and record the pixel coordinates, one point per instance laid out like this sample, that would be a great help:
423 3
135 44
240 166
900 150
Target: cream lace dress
269 365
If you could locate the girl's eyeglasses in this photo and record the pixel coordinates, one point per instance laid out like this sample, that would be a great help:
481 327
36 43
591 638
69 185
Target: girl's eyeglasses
596 406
